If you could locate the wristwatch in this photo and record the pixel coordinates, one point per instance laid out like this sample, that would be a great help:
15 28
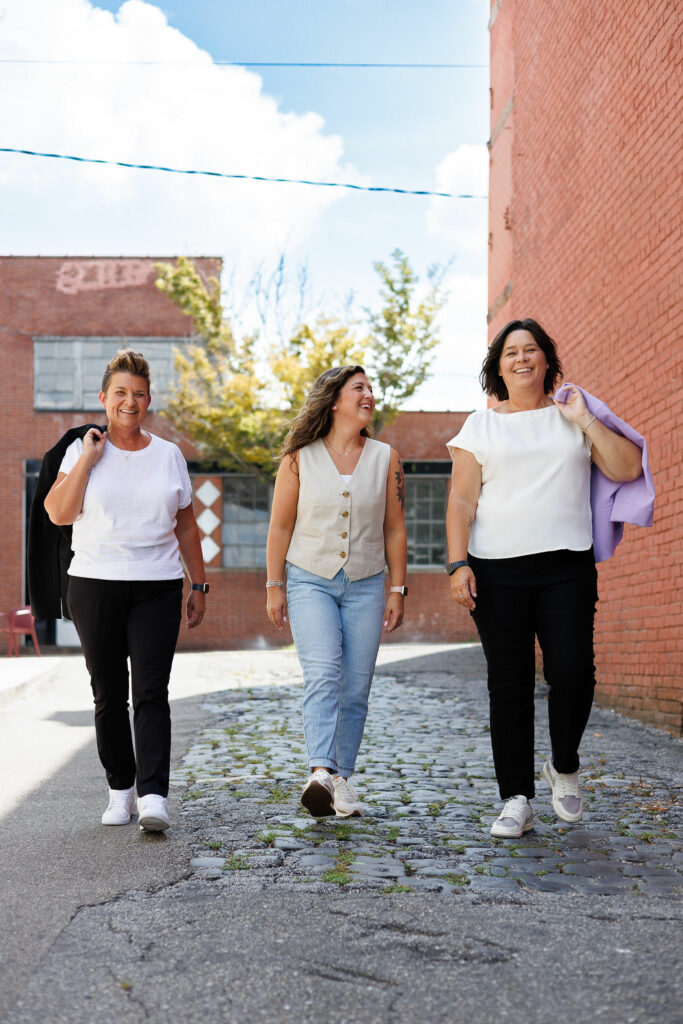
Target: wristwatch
204 587
399 590
452 566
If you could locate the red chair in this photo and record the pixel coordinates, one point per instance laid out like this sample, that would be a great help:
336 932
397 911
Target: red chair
19 621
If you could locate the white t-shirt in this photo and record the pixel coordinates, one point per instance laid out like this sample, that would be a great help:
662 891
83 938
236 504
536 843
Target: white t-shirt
535 482
125 528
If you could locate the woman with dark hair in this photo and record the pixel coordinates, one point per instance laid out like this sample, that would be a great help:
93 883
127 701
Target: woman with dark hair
129 498
521 558
337 519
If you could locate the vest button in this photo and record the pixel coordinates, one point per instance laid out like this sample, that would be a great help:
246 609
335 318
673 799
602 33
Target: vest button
346 494
345 515
344 535
342 554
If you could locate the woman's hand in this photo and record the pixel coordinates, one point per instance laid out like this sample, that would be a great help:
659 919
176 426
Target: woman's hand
574 409
464 587
393 612
93 447
196 607
276 606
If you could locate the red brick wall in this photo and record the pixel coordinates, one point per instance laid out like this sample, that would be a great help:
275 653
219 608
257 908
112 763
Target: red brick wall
593 250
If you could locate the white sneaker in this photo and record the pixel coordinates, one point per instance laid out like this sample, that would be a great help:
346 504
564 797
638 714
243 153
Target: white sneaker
318 794
346 803
567 800
515 819
121 806
152 813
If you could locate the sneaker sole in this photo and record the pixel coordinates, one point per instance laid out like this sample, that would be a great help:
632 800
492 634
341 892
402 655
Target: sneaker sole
559 811
512 835
150 823
110 823
318 801
357 813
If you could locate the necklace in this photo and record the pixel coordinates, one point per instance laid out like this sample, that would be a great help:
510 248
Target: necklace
339 451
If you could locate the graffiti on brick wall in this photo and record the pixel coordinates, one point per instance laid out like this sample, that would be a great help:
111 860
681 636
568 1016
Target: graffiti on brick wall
92 275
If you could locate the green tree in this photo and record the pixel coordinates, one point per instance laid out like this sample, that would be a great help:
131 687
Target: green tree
234 401
402 334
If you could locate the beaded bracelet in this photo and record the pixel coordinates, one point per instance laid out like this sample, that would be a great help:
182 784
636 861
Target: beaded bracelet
273 583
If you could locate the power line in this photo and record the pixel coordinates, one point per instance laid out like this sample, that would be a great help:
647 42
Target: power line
241 177
245 64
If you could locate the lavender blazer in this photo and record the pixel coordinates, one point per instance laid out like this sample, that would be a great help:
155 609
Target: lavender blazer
612 503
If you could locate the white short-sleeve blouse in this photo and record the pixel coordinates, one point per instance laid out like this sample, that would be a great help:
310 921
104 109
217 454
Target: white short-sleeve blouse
535 482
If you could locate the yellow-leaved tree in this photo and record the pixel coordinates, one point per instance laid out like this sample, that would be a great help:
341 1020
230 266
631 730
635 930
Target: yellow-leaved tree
234 399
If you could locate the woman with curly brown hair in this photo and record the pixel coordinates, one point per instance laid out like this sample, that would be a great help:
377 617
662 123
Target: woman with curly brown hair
337 519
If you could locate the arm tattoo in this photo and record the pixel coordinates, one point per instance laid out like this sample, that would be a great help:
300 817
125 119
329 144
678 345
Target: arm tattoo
400 487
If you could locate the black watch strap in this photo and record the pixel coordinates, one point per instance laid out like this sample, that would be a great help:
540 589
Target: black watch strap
452 566
204 587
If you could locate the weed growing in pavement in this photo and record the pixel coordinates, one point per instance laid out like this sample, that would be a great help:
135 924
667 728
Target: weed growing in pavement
215 844
391 890
231 730
266 837
277 795
409 869
235 863
340 874
457 880
393 833
436 807
406 798
343 832
336 876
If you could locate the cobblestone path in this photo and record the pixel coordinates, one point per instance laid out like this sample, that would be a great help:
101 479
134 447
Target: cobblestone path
426 780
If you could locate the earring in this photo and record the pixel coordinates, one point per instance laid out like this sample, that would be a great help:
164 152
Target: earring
334 408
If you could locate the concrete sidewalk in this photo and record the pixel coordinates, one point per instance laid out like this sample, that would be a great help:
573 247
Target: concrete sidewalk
249 909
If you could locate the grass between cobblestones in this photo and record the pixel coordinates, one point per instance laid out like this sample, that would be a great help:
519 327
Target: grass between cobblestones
427 784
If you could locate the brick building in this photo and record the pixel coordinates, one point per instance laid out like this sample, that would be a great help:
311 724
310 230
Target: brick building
585 236
62 319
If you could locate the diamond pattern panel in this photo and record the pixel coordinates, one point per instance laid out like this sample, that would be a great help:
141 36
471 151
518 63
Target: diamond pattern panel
207 521
207 493
209 549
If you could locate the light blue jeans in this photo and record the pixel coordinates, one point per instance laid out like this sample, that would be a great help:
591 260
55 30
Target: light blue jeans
336 625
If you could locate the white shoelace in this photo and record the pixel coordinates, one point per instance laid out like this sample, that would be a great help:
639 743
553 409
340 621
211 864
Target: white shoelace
345 790
514 808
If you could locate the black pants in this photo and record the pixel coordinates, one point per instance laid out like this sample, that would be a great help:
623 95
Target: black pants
138 619
551 596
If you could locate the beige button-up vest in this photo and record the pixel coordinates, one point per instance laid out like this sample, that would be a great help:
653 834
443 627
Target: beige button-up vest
340 525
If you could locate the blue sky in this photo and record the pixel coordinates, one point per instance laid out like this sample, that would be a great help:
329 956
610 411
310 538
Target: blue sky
405 128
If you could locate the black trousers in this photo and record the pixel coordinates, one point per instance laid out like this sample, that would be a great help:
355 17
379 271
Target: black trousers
117 620
551 596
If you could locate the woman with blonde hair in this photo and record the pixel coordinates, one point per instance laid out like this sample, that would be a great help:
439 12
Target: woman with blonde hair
337 519
129 498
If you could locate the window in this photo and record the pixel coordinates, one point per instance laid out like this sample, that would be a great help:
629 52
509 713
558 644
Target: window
67 372
426 498
246 512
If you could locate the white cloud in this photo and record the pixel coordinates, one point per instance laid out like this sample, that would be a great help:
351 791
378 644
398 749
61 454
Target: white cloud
192 114
463 221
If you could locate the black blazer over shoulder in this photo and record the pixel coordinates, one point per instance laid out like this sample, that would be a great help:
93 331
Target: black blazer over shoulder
49 551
